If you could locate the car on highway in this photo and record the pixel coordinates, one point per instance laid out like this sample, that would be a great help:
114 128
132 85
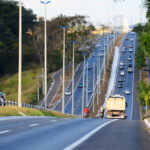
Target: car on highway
130 68
129 58
130 46
121 66
120 79
80 85
120 85
89 90
100 54
98 45
130 50
122 73
68 93
121 63
127 91
2 99
89 67
123 49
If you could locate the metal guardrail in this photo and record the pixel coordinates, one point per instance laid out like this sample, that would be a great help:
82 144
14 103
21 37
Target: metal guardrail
24 105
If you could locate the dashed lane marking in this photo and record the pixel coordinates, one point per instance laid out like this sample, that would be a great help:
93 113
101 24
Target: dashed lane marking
32 125
53 120
6 131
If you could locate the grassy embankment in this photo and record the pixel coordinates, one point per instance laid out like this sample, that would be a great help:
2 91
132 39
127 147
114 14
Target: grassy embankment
9 85
15 111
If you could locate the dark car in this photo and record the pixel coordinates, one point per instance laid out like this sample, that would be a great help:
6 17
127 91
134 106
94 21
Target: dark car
120 85
80 85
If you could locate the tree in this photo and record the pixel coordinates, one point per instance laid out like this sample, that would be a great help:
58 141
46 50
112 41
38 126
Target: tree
144 94
9 26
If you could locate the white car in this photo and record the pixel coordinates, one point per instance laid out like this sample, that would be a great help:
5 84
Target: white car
100 54
129 58
130 50
121 63
68 92
127 91
122 73
98 45
123 49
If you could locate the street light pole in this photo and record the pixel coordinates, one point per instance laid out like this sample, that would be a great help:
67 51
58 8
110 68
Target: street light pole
63 86
73 77
45 55
93 85
97 80
87 86
83 86
104 62
20 55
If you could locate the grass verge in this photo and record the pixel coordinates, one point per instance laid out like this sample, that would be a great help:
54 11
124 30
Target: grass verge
14 111
9 85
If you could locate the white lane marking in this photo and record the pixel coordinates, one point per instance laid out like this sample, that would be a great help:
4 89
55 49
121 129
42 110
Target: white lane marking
32 125
53 120
6 131
133 83
85 137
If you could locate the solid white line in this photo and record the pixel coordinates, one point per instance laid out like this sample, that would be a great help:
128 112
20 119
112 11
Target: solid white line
53 120
6 131
133 81
82 139
32 125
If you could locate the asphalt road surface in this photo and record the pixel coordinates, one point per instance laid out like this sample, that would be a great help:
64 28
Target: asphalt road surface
96 59
129 78
45 133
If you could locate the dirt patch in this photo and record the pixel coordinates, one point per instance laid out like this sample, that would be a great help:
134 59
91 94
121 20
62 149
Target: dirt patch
145 77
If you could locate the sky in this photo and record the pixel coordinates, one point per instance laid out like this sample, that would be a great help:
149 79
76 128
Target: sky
98 11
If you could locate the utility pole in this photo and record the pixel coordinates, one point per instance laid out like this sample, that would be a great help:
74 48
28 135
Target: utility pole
97 81
63 86
104 63
20 56
99 76
73 77
87 86
93 85
45 55
83 86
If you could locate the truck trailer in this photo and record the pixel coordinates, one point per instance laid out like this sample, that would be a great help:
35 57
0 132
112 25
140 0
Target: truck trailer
116 107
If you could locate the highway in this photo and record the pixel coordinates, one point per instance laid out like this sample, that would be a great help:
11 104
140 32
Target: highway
44 133
98 60
129 78
50 133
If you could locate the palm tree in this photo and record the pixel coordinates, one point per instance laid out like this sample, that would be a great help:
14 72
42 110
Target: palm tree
144 94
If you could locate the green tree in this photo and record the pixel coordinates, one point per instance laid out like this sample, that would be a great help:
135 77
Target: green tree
144 94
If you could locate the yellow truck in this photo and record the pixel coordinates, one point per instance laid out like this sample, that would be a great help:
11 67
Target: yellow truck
115 107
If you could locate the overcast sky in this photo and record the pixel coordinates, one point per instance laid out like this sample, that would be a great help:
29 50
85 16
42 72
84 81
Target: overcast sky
99 11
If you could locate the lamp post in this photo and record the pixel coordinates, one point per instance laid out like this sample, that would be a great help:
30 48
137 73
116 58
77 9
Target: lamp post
20 56
73 42
63 86
45 54
87 86
93 85
83 84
